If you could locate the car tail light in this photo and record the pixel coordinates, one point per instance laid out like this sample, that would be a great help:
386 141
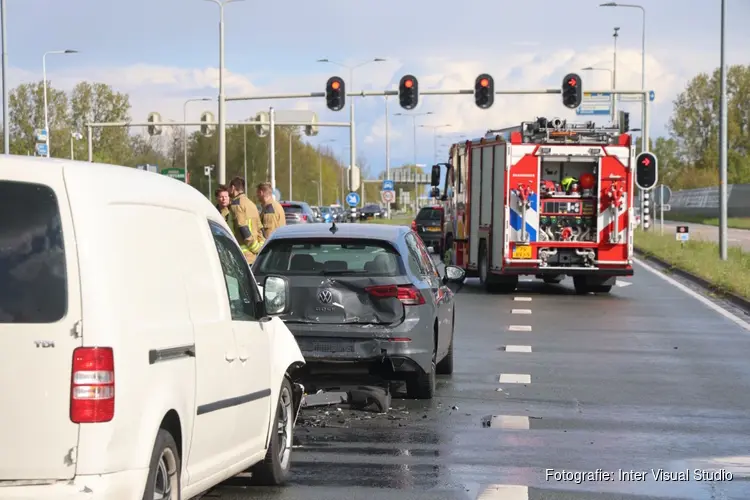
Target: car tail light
413 225
92 387
407 294
303 217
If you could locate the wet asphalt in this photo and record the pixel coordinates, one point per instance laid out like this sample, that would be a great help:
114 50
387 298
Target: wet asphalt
548 384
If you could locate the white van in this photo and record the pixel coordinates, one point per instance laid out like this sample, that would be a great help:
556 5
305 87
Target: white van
138 358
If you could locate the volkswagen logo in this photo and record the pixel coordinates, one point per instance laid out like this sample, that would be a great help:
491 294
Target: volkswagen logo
325 296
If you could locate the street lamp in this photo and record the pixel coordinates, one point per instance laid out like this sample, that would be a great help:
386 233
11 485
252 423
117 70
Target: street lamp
435 136
222 118
414 117
612 85
44 80
184 128
350 83
644 140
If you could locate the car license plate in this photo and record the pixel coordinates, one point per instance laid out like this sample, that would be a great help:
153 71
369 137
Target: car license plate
522 252
433 229
333 347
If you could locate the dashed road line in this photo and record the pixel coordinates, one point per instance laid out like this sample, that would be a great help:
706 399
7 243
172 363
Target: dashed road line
514 378
519 328
517 348
508 422
522 299
504 492
520 311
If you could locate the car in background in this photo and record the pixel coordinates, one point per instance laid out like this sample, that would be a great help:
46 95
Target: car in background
428 224
364 301
338 213
298 212
327 214
316 212
371 211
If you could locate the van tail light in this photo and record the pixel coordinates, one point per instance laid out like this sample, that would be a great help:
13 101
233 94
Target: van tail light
409 295
413 225
92 387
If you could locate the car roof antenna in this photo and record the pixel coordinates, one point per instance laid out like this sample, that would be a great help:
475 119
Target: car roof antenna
333 228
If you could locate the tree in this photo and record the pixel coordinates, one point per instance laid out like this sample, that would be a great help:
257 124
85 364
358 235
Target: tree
26 112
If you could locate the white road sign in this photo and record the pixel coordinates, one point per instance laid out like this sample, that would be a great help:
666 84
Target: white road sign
388 196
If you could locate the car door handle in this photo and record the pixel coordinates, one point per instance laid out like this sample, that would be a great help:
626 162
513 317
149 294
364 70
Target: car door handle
243 355
230 356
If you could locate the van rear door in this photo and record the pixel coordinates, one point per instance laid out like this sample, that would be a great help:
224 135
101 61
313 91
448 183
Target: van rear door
40 324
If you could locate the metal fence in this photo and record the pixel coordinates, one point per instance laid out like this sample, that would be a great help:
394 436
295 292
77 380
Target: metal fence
704 202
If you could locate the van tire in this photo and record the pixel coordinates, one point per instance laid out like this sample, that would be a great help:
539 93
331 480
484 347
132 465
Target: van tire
164 469
274 469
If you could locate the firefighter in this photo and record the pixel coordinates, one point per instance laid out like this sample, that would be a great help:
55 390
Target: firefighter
272 215
222 201
245 220
568 183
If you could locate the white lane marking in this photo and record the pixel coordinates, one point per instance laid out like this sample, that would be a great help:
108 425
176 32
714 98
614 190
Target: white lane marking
520 311
509 422
732 317
504 492
623 283
519 328
522 299
514 378
517 348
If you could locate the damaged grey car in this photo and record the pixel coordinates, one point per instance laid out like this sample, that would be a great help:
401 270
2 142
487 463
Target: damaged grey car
366 304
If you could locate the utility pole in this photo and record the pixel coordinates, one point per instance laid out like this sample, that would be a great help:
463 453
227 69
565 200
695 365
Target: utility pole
723 251
6 121
387 153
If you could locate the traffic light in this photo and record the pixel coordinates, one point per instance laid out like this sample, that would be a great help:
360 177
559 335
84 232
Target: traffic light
154 129
335 93
624 121
207 123
408 92
572 92
484 91
646 171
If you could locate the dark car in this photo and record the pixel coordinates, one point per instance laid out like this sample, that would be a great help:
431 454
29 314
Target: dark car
365 301
298 212
370 212
429 226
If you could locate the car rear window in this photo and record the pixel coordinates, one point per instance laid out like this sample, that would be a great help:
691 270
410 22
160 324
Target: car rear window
430 214
365 257
33 280
291 209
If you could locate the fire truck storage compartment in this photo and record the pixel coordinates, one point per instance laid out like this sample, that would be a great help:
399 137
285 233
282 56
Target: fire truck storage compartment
568 212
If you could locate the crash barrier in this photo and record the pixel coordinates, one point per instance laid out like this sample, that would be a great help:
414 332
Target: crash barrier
704 202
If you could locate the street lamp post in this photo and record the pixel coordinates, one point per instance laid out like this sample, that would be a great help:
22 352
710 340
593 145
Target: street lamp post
290 165
222 107
44 83
387 153
435 136
414 117
184 129
352 137
75 136
612 83
320 167
6 121
723 212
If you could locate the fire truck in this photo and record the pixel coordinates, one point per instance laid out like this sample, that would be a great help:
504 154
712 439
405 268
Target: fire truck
548 199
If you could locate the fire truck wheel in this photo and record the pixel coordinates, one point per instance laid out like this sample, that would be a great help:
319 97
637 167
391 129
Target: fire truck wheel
584 286
552 280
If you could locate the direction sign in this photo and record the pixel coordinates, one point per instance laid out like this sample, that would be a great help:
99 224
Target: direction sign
666 207
388 185
636 97
682 233
41 135
174 173
388 196
352 199
605 97
596 104
41 148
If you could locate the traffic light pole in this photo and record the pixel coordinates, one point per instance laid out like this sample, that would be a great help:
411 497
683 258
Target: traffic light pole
646 215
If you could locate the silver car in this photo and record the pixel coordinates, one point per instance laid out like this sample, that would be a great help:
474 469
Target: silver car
366 302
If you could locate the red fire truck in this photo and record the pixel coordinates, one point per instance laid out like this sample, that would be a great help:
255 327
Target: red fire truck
548 199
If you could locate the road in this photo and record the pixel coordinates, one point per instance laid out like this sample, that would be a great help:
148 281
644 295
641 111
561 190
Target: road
735 237
648 377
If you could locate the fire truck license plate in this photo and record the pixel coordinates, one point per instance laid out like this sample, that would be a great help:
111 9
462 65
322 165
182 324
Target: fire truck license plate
522 252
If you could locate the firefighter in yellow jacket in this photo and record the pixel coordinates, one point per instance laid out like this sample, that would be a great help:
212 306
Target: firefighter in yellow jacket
245 220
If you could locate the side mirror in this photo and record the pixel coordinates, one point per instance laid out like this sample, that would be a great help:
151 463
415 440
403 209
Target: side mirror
435 180
275 295
431 249
454 274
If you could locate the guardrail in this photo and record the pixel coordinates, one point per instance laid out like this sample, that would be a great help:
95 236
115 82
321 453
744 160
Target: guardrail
704 202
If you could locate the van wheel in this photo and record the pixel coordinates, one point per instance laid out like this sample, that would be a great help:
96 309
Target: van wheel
163 480
274 469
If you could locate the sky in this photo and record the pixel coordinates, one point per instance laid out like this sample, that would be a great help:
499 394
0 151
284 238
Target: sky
162 52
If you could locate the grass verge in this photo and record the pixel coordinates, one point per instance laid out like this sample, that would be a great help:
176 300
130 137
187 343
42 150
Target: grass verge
733 222
701 258
397 220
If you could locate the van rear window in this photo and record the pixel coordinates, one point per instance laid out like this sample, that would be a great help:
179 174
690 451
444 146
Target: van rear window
33 281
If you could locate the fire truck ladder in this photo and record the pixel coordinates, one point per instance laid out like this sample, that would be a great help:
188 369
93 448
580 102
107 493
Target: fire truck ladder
557 131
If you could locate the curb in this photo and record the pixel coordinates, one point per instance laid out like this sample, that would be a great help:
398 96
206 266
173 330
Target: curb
732 298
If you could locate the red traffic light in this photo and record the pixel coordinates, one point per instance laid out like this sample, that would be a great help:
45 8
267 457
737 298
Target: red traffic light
409 84
335 85
484 82
646 161
572 82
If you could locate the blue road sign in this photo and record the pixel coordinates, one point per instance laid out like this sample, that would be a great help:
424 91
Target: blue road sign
41 148
277 194
387 185
651 95
352 199
593 112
